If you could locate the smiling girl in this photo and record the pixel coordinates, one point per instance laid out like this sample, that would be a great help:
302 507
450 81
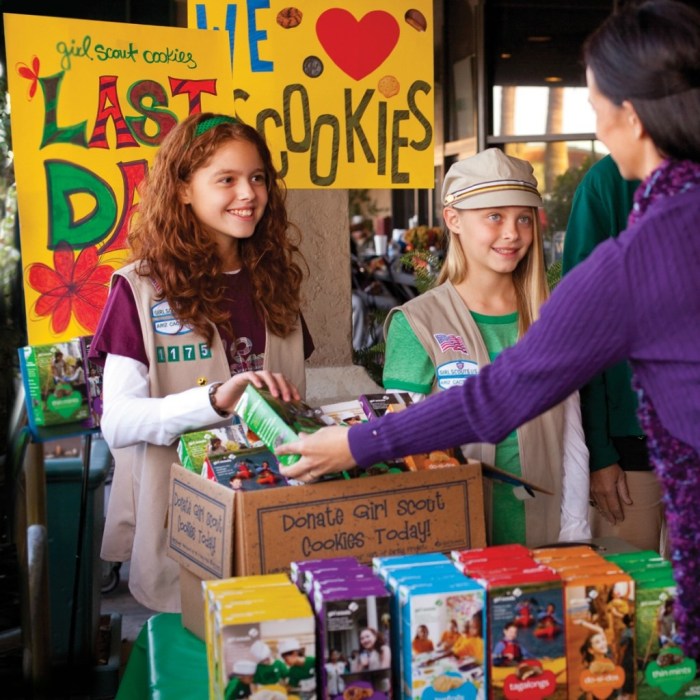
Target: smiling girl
489 292
209 302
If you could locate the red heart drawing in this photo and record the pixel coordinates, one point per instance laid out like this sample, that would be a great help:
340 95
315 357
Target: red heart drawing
357 47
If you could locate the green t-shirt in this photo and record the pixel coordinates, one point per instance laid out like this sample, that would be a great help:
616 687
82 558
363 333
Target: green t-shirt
271 674
236 689
407 367
297 674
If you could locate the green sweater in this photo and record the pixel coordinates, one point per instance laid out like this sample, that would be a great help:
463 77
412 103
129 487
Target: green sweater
599 211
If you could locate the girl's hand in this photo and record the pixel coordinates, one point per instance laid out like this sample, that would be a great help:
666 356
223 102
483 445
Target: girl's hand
323 452
227 395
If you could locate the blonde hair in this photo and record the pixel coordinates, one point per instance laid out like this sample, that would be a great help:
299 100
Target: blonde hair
529 277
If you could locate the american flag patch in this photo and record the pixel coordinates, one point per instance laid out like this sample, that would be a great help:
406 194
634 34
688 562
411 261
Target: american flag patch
448 341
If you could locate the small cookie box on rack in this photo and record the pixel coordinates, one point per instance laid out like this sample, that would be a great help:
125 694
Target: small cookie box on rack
55 383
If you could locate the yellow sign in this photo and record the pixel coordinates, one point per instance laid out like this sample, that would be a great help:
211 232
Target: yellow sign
91 102
343 92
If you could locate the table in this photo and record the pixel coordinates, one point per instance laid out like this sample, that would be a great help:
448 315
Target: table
166 662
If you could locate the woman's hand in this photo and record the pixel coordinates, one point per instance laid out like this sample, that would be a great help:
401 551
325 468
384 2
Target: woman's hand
323 452
229 392
609 493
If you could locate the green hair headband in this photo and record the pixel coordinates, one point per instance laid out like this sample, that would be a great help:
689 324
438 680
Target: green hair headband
210 123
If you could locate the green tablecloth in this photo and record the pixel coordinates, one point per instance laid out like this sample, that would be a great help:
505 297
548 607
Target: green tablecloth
167 662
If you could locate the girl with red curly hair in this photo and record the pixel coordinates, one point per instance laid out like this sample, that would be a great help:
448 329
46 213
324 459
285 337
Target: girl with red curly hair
209 302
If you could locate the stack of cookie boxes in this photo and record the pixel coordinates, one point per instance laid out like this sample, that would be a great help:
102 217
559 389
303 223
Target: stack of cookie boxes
524 602
260 634
430 596
351 605
599 614
664 670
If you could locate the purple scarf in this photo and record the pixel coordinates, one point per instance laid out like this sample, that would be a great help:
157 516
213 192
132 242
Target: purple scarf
672 177
676 464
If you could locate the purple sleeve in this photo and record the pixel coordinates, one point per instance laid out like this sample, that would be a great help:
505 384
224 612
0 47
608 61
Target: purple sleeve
119 329
583 329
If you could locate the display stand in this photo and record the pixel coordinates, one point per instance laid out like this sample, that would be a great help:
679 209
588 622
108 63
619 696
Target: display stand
28 455
39 436
26 506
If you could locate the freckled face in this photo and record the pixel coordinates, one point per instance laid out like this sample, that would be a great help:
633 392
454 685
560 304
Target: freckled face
228 195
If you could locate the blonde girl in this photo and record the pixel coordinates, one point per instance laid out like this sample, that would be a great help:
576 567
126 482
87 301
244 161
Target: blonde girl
489 292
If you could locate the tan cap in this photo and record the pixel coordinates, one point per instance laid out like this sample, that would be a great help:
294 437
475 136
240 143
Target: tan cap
490 179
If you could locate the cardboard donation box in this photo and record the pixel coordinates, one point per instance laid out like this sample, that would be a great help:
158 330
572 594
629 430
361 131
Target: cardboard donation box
215 532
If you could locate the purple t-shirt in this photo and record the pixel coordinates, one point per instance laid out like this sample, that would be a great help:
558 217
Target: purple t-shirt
119 330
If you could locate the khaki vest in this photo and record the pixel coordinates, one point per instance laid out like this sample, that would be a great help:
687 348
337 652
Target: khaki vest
540 441
136 526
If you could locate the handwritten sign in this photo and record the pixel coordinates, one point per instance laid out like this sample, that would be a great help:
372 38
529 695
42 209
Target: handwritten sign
91 103
344 97
200 525
428 511
431 511
343 93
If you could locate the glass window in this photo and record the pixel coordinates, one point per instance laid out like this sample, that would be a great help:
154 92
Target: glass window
460 69
525 110
559 167
537 99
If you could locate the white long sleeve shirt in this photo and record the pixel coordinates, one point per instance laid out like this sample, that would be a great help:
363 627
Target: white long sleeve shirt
131 417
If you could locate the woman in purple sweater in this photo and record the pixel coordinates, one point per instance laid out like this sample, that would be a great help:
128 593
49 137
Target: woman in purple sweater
637 297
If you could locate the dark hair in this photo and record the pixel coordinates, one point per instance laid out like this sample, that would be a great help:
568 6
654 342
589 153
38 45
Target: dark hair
476 618
649 53
586 654
177 252
422 628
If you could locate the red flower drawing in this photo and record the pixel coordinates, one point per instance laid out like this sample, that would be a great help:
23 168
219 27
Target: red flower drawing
31 74
73 285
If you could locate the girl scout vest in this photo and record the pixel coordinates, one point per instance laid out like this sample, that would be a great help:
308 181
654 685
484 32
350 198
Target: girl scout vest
442 323
179 359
